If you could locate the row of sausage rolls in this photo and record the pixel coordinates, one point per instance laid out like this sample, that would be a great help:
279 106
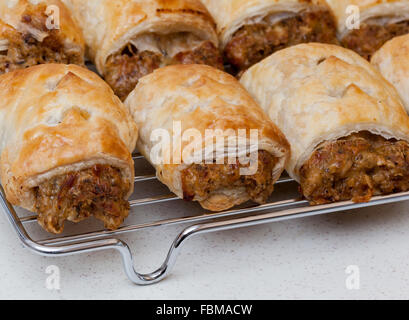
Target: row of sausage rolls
346 125
131 39
335 124
66 141
251 30
125 41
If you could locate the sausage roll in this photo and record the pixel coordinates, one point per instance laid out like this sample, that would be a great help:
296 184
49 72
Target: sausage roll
393 62
251 30
347 127
65 144
37 32
130 39
380 21
192 99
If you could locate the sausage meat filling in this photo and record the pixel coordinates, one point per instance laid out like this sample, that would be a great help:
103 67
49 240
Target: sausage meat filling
201 180
356 167
124 69
36 45
99 191
254 42
369 38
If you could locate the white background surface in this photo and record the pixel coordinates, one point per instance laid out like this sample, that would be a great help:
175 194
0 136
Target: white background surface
295 259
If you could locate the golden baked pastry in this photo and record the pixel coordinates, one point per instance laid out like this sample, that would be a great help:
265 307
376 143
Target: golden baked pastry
192 99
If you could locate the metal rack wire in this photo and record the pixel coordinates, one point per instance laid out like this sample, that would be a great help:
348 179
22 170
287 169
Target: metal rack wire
205 222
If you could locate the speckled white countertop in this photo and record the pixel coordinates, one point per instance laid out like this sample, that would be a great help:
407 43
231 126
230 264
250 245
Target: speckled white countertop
304 258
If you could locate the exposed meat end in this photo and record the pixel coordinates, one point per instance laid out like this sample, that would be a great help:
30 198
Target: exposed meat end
356 167
25 49
99 191
123 70
207 53
369 38
254 42
201 180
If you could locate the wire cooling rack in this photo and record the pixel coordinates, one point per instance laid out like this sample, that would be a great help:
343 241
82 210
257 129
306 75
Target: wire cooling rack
197 224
